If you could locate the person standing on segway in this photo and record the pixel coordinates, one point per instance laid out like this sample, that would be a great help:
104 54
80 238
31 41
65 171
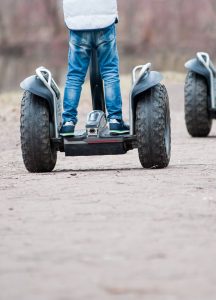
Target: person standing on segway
91 24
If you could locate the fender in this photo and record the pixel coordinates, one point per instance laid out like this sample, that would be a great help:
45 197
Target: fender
203 65
146 80
196 66
35 86
43 85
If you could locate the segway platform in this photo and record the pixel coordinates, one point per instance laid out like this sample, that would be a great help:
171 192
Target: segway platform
41 121
82 145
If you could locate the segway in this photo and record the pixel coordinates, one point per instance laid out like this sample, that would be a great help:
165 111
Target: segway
41 120
200 95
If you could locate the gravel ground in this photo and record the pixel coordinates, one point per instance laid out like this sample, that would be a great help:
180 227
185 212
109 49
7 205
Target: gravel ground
104 228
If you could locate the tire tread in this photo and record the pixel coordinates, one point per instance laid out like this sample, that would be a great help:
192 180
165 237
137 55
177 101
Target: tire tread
38 153
152 108
198 121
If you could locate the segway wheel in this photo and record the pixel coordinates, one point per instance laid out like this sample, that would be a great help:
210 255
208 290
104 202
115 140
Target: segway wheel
197 118
153 128
39 155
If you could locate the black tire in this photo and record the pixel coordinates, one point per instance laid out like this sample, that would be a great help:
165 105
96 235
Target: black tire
197 118
39 155
153 128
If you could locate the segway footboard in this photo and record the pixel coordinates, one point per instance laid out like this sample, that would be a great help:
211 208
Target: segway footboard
90 146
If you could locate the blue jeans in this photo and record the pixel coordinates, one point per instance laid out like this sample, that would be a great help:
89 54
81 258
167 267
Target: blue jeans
81 45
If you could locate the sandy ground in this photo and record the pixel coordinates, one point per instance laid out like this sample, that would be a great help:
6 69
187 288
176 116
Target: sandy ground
102 227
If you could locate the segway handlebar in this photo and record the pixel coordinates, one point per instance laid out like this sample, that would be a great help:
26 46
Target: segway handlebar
143 68
46 77
204 58
142 81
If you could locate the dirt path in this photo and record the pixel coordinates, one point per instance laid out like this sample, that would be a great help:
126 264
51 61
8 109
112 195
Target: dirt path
102 227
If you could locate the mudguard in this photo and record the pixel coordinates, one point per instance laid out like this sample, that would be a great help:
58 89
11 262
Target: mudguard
203 65
35 86
146 80
196 66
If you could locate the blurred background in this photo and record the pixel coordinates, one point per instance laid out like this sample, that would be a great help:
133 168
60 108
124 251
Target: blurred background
165 32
